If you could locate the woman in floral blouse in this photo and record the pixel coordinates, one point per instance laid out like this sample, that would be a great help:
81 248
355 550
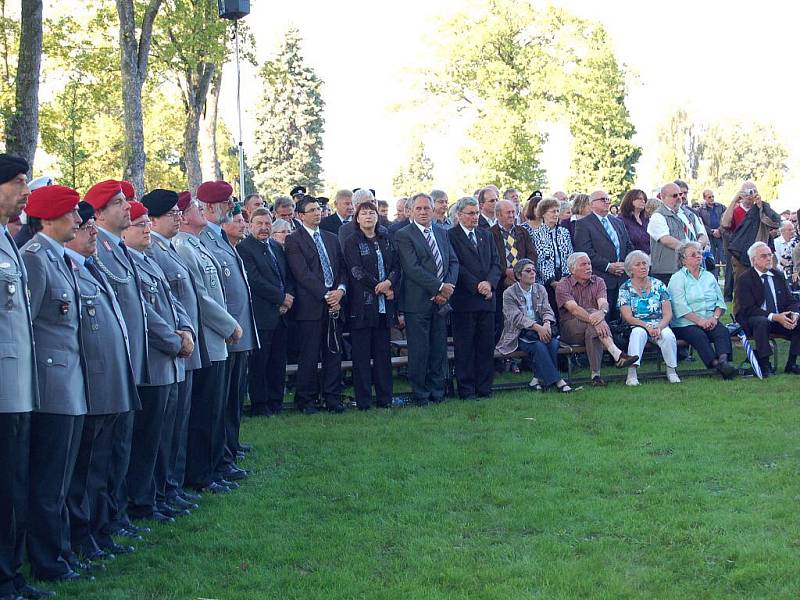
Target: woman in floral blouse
644 304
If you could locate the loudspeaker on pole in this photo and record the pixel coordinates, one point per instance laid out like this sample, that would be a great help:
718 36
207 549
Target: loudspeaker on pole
233 9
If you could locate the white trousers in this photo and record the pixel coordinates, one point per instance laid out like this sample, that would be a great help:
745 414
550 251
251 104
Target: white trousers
666 341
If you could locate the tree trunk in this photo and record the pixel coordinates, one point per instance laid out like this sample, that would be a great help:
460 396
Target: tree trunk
133 62
22 131
208 132
195 86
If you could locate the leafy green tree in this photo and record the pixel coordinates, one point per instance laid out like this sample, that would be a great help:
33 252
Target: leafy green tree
9 44
289 122
680 147
416 175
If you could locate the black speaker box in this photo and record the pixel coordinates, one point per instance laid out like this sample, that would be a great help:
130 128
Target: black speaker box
233 9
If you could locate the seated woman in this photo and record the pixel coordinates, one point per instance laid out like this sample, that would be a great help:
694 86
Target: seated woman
529 327
697 306
644 304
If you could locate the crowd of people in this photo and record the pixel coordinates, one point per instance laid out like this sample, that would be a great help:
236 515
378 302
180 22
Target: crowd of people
133 331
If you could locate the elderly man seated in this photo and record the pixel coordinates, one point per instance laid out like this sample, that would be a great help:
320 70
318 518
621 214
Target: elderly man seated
764 305
583 306
644 304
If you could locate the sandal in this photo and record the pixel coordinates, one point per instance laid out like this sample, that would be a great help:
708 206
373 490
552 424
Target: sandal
535 385
564 389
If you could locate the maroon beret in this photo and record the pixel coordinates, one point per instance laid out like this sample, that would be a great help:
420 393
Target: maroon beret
183 200
52 202
137 210
212 192
100 193
127 189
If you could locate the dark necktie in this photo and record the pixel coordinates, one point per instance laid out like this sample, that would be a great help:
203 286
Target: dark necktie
15 249
274 261
91 266
768 297
472 239
225 236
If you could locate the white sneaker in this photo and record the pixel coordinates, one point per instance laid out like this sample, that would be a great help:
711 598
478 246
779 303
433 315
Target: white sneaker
632 380
672 376
534 383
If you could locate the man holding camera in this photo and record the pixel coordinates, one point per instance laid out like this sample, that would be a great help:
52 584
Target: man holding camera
749 220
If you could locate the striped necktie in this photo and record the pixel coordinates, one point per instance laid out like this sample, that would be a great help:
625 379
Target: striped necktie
435 251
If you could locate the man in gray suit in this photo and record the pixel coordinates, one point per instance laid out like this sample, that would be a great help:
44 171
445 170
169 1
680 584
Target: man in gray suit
215 197
206 439
165 219
19 391
170 339
430 272
112 216
112 391
57 424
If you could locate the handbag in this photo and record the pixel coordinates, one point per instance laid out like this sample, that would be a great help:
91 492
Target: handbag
529 335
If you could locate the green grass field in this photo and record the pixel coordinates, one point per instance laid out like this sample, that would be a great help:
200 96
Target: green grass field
662 491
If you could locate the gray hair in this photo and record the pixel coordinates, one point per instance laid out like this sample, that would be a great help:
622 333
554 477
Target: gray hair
508 193
521 264
564 205
464 202
633 257
281 202
685 246
413 200
573 258
362 195
436 194
280 224
681 184
751 251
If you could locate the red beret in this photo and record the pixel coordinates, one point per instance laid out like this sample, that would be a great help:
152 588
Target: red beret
183 200
212 192
137 210
100 193
52 202
127 189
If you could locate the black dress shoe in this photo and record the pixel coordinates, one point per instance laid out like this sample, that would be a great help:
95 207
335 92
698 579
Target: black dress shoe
232 485
216 488
726 369
129 534
12 597
310 410
337 408
138 529
160 517
69 576
792 369
189 496
87 566
235 474
178 502
120 549
99 555
172 513
240 456
28 591
598 381
244 448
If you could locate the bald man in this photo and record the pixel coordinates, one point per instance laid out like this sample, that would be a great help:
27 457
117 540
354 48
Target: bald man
668 228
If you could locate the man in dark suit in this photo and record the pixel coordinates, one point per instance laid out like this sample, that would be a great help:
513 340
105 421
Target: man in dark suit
764 305
487 200
405 218
604 238
273 295
473 301
343 201
316 263
430 271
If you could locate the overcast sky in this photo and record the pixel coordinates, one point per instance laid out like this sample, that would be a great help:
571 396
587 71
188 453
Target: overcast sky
717 59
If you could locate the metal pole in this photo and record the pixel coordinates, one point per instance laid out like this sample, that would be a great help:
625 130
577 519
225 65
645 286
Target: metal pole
242 191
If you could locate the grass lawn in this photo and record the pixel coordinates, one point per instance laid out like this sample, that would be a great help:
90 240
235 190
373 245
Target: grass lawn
661 491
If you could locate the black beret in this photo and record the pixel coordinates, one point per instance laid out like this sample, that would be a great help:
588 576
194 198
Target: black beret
297 191
159 202
11 166
85 210
323 199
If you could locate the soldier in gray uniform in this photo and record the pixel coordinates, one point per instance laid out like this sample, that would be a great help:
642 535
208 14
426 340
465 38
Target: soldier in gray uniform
165 219
57 424
112 216
112 391
215 197
18 391
206 441
170 339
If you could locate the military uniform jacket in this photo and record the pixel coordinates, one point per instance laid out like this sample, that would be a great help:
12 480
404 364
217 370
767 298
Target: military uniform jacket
218 324
237 291
19 390
183 288
55 312
111 260
163 344
106 348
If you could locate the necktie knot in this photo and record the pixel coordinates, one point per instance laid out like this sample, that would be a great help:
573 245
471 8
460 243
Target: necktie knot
427 231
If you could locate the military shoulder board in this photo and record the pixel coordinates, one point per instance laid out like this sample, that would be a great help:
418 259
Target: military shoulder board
35 247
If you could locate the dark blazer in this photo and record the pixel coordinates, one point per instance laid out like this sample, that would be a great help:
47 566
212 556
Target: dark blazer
474 265
270 280
420 282
396 226
591 237
483 222
362 265
306 269
749 296
331 223
524 245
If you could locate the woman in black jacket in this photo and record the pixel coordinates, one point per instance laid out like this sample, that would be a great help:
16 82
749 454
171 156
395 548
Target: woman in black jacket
374 272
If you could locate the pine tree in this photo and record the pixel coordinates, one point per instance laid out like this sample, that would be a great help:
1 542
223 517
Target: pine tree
416 175
289 123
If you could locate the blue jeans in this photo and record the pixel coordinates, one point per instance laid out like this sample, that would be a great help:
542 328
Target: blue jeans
544 356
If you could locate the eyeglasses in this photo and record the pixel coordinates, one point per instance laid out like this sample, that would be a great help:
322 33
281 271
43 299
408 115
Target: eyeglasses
471 213
175 214
312 210
605 199
142 225
528 270
87 226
